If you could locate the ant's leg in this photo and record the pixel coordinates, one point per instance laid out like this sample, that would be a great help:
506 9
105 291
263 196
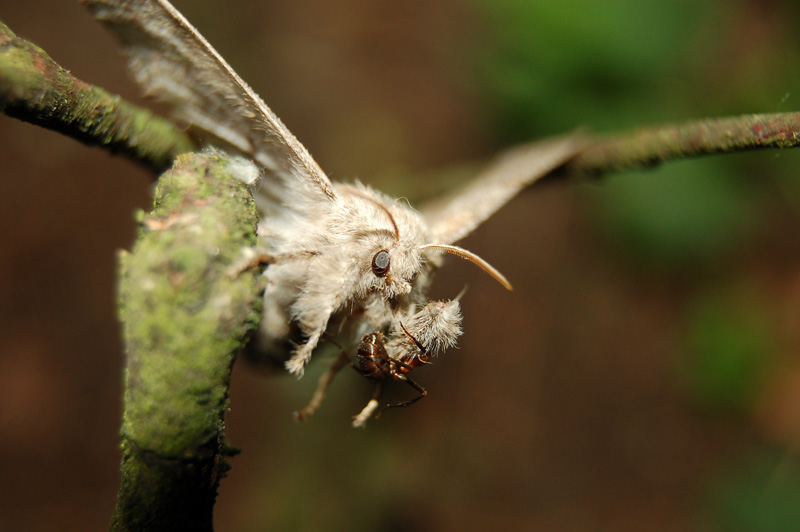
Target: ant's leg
322 387
362 417
422 393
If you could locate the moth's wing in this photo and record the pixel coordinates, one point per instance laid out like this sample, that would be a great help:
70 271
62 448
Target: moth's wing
454 216
172 61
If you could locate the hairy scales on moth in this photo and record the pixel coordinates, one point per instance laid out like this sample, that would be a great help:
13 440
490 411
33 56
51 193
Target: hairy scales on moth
348 263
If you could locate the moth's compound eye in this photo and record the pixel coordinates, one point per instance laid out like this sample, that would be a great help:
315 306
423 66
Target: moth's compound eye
380 263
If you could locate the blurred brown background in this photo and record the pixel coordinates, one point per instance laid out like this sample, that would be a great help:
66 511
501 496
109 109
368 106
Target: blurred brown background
644 374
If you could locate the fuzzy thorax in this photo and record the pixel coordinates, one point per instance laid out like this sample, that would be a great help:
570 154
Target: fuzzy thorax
326 251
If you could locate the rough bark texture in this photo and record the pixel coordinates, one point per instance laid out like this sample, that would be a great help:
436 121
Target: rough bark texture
186 309
34 88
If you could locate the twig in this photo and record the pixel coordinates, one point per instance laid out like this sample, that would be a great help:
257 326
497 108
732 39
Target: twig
649 146
34 88
184 317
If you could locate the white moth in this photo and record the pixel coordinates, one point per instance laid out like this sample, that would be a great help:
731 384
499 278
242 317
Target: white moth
348 261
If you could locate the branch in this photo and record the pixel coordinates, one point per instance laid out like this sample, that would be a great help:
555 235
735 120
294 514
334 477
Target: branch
35 89
649 146
187 302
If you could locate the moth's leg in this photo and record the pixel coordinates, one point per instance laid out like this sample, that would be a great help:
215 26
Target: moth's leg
326 288
322 387
422 393
251 258
361 418
280 290
313 309
296 365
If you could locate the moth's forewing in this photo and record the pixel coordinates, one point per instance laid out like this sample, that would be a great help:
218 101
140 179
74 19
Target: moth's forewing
171 60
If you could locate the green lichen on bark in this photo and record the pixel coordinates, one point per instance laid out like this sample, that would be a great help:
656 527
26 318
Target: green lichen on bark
185 314
34 88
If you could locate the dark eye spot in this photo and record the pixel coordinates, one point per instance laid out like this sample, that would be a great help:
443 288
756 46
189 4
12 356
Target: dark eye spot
380 263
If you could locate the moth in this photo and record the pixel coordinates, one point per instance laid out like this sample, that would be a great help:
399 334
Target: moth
347 262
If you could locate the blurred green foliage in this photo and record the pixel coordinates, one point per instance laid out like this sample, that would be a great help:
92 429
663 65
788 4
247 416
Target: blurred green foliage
760 494
621 61
686 214
548 67
726 348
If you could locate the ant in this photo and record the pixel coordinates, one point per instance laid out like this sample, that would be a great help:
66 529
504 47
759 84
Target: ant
374 362
431 330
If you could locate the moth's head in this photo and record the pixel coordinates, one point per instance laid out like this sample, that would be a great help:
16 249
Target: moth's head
395 249
385 237
395 263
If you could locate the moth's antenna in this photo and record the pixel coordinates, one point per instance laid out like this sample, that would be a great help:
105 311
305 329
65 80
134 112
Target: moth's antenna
473 258
391 219
382 207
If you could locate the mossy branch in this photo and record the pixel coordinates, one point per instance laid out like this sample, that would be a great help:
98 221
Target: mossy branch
188 300
35 89
648 146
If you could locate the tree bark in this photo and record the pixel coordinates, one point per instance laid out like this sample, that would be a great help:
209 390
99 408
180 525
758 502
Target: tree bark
186 308
35 89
